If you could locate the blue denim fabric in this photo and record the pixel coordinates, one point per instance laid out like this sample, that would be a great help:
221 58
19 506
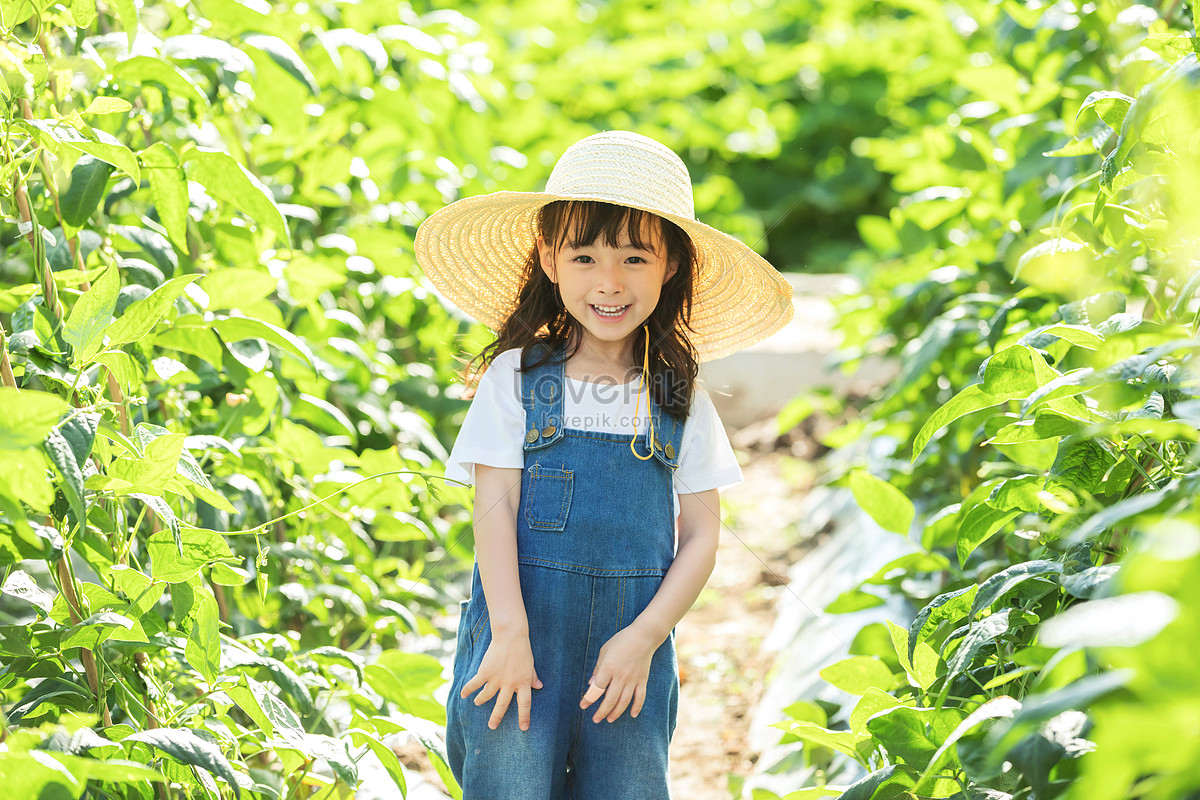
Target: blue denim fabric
595 535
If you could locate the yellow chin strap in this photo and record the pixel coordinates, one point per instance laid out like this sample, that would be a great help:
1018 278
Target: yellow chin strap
637 405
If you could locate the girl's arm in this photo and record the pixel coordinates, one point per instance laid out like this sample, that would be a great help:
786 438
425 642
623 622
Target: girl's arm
507 668
497 498
623 665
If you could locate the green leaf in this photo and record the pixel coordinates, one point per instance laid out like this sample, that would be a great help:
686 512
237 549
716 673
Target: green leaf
89 178
90 316
1110 107
971 399
149 69
141 317
150 473
922 665
83 13
948 606
101 144
978 525
883 502
1126 620
94 630
200 548
882 784
235 329
903 733
1006 580
846 742
996 708
237 287
980 634
385 755
63 458
282 54
1046 425
873 701
203 649
858 674
28 416
161 509
227 180
168 190
185 746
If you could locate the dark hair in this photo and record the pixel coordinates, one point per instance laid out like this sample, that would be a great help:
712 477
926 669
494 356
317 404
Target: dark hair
539 315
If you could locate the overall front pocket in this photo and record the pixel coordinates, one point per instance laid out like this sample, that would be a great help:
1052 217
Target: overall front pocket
546 497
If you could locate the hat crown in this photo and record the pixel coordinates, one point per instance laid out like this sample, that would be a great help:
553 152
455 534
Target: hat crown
625 168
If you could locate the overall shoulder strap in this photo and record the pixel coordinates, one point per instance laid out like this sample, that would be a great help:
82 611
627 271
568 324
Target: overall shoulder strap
542 398
668 436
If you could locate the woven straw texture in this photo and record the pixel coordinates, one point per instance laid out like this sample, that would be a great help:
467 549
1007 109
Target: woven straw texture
474 250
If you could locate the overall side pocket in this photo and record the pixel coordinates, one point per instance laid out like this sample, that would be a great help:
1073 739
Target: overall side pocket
547 497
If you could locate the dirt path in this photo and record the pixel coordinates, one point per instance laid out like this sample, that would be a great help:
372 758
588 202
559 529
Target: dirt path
722 671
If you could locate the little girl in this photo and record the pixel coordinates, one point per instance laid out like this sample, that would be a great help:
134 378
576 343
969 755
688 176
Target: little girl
590 447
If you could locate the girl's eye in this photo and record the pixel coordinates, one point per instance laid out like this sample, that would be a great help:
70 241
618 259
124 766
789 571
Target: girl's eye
583 259
637 259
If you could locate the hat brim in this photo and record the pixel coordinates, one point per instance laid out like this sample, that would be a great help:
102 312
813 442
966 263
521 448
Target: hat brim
475 249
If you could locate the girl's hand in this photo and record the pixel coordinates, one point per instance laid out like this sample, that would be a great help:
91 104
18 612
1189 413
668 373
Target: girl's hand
506 669
622 670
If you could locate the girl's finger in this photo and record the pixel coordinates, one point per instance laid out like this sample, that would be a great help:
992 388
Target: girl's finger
499 710
486 693
612 693
524 703
639 700
594 693
474 683
622 704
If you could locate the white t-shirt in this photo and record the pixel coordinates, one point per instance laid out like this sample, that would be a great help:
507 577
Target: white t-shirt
493 433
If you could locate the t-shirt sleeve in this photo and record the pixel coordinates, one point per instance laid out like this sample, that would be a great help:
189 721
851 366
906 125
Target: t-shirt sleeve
706 459
492 433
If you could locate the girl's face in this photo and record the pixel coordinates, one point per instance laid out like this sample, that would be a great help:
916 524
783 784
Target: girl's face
609 290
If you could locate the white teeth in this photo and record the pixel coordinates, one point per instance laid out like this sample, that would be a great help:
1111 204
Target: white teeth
610 310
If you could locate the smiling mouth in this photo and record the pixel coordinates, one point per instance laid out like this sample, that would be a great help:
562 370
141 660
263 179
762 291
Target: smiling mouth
611 312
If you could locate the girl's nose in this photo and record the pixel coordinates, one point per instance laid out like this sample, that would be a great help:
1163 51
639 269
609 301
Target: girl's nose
609 279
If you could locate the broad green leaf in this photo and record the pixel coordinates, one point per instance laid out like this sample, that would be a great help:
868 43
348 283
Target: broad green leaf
1020 492
883 784
150 473
948 606
168 190
971 399
237 287
28 416
1005 580
904 733
83 13
1110 107
108 105
101 144
141 317
858 674
89 633
185 746
149 69
89 179
128 15
1088 583
1046 425
996 708
227 180
63 458
847 742
233 329
282 54
200 548
203 649
980 634
872 702
385 755
91 314
922 665
282 675
883 502
978 525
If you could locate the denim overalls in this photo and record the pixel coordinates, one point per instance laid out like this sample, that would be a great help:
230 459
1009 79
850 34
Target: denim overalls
595 535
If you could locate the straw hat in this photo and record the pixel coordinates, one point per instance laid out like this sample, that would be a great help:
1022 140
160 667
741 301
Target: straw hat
474 250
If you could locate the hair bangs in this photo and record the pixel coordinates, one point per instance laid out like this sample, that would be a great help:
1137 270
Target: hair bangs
585 222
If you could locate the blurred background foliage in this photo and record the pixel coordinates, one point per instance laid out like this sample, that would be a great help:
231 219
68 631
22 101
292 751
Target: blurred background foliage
215 335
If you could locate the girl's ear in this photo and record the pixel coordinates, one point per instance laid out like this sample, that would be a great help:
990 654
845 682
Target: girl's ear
546 259
672 268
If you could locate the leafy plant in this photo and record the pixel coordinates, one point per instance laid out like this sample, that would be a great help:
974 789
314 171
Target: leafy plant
1038 285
